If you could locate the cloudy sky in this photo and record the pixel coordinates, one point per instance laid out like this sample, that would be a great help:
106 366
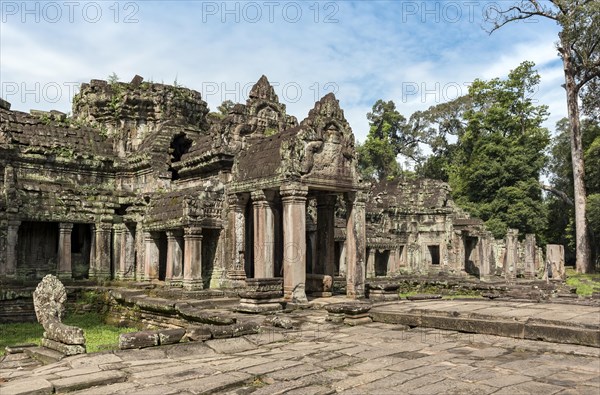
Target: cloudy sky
417 53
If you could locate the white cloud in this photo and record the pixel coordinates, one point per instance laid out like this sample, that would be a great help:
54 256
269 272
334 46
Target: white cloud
376 49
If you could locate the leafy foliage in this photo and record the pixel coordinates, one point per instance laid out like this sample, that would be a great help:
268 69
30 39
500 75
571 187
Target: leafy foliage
500 154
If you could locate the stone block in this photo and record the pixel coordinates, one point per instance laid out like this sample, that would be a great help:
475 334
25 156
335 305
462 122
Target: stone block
67 349
138 339
171 336
75 383
4 104
29 386
198 333
214 317
44 355
245 328
162 306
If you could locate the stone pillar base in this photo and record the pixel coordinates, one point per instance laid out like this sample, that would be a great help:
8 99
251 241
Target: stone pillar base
64 275
174 282
217 278
100 275
193 285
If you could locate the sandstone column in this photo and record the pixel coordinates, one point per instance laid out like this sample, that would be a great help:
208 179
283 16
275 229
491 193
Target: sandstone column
555 258
102 253
326 234
530 255
392 267
64 271
459 247
264 234
12 237
236 251
174 275
510 258
118 245
355 244
151 256
485 269
192 258
370 262
127 261
140 252
294 242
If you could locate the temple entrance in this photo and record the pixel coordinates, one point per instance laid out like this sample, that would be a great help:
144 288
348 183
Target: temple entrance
81 244
382 258
37 249
470 255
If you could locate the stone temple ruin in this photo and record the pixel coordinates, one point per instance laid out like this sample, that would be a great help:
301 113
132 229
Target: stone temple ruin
143 184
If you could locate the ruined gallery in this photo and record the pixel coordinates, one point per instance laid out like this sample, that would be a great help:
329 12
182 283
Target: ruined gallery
142 184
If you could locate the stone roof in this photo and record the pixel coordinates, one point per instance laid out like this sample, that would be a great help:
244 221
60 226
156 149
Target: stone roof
51 133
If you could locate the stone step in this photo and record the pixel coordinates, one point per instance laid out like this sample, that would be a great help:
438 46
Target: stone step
44 355
565 331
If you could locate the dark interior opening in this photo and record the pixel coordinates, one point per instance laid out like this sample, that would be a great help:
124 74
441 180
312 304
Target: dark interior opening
381 262
180 145
37 249
434 251
162 256
81 245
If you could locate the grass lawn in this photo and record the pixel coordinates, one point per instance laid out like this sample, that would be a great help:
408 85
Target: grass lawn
98 335
586 284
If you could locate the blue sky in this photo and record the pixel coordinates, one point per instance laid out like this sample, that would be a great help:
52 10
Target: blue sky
417 53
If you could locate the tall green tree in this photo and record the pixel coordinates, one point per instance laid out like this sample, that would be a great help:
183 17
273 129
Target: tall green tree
499 156
441 124
390 136
561 212
579 49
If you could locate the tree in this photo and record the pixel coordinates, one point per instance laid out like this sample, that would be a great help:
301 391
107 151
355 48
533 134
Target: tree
440 124
560 204
499 155
579 49
389 136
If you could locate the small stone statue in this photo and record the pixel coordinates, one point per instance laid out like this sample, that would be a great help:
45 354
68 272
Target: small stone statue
49 302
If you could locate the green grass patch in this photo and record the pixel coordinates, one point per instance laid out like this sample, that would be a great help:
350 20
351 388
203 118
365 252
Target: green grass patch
99 336
586 284
21 333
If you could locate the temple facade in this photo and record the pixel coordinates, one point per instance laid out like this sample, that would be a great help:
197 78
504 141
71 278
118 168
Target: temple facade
142 183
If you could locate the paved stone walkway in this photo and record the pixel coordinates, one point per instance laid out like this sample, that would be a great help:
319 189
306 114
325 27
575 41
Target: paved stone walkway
322 358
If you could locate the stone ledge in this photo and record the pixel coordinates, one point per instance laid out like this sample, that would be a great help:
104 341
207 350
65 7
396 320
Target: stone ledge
44 355
530 329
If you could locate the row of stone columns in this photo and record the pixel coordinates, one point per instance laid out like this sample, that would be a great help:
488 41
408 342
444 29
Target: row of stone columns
266 220
184 257
393 264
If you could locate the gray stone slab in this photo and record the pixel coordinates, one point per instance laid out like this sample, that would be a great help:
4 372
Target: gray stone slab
213 384
30 386
94 359
75 383
117 388
230 346
270 367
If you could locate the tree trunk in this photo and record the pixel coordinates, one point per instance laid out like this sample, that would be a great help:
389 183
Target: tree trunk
582 249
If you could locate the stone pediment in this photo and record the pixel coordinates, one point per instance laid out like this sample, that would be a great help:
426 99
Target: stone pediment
323 149
319 151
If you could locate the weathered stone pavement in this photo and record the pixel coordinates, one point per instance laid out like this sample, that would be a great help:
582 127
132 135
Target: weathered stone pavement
323 358
561 323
